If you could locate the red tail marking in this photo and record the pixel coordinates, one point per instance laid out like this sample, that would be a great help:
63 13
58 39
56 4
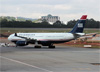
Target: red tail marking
84 17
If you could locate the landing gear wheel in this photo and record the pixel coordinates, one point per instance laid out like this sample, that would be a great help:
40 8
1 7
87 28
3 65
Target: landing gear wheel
37 46
52 47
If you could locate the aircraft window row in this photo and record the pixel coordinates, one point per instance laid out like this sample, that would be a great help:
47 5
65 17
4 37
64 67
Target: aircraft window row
38 36
54 36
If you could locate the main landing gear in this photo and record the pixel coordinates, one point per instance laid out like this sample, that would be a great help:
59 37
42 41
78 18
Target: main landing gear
37 46
51 46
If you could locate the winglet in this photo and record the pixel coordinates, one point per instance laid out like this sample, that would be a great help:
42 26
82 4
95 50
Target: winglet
83 17
15 34
94 35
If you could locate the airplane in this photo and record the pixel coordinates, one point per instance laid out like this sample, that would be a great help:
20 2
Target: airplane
49 39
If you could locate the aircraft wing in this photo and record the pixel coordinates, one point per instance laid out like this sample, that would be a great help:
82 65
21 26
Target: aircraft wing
89 35
27 39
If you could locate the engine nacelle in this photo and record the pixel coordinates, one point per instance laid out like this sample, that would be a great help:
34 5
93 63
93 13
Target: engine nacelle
21 43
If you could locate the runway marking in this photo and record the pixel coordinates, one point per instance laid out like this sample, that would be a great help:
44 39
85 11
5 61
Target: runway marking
25 64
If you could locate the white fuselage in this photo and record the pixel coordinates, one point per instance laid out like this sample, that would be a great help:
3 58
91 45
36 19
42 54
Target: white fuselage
43 36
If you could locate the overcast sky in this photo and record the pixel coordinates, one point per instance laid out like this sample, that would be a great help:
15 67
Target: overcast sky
65 9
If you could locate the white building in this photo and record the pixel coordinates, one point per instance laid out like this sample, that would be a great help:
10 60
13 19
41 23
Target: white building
49 18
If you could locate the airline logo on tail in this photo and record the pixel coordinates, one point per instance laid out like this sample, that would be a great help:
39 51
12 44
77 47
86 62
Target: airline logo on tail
80 25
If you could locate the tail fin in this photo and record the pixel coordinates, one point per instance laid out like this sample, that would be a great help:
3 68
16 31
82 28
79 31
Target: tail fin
78 28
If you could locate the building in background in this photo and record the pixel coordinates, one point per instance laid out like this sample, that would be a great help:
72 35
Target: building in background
49 18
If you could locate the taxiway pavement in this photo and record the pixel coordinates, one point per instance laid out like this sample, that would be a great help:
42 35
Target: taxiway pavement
60 59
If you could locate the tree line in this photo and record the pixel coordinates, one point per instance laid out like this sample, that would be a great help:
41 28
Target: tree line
90 23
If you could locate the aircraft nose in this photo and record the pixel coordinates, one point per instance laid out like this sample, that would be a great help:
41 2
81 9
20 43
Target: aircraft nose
9 38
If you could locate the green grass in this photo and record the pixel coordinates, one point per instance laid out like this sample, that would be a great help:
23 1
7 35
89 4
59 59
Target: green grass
92 31
43 30
27 30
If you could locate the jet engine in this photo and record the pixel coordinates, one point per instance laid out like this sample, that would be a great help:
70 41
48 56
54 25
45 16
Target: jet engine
21 43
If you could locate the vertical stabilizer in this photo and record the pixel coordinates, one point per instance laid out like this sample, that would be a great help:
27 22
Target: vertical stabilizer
78 28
